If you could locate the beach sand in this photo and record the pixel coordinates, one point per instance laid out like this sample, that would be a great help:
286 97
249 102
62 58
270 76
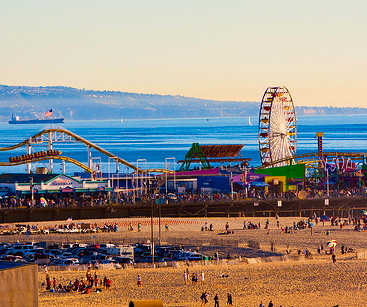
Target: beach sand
298 281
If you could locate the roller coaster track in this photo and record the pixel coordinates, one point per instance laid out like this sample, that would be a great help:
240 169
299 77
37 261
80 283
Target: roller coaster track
157 170
86 168
37 138
352 155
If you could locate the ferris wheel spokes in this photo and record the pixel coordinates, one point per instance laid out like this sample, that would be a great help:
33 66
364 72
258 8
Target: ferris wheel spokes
277 126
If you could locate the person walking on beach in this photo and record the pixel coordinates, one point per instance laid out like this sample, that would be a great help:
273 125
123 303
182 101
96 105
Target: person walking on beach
216 300
333 257
202 277
271 304
261 304
186 277
229 299
139 281
204 298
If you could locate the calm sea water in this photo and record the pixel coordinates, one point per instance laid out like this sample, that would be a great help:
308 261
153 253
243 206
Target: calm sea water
156 140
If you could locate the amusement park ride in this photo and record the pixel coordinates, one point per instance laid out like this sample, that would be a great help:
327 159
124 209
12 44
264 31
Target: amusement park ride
277 136
49 137
278 144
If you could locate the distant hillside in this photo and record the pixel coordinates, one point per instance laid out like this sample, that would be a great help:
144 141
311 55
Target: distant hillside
79 104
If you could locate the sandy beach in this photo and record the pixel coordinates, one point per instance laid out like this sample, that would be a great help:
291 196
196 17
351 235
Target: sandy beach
291 280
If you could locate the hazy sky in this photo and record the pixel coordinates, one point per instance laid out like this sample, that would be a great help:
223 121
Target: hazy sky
223 50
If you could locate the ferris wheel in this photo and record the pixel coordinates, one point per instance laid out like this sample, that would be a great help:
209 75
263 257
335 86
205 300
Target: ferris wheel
277 127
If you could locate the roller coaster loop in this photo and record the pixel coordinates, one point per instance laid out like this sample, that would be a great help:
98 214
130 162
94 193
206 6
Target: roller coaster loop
37 138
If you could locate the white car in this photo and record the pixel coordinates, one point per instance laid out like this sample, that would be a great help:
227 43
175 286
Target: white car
19 249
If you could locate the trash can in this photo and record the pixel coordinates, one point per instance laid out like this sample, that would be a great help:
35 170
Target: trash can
146 303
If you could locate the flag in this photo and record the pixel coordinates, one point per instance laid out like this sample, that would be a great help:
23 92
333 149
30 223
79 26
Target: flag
49 113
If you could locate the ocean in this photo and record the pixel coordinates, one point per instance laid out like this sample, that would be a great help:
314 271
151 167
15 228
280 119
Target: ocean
154 143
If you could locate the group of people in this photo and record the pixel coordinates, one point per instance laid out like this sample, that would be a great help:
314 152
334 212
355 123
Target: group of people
194 277
206 227
83 285
53 202
204 299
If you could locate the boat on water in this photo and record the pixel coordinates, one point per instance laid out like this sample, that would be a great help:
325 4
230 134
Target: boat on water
15 120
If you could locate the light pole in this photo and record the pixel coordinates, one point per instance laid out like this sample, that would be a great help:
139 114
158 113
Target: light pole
152 233
245 183
142 174
173 163
32 192
327 182
231 179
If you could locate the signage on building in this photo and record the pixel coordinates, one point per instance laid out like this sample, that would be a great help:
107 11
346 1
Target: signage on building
60 181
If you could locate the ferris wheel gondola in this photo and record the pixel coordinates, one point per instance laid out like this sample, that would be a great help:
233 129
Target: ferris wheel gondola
277 127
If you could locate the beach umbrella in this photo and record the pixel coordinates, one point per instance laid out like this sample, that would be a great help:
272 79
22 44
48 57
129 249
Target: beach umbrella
43 202
331 243
324 218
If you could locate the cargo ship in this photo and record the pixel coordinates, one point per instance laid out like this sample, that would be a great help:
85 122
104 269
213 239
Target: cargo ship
15 120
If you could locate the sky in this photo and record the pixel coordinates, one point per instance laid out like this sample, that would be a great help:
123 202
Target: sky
220 50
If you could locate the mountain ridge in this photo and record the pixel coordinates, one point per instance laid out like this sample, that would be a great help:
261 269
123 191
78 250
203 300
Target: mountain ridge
29 102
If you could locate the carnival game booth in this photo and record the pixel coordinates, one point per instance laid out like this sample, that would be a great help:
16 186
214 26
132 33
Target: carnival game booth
286 178
51 185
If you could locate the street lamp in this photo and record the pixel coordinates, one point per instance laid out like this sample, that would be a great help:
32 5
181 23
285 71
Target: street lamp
327 182
173 163
231 179
142 175
32 192
152 232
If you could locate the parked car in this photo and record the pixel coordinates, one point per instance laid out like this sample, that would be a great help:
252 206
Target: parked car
107 261
123 260
32 252
69 261
195 257
13 258
54 252
19 249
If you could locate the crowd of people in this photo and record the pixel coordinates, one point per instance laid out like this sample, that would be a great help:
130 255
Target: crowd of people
14 202
54 201
84 285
